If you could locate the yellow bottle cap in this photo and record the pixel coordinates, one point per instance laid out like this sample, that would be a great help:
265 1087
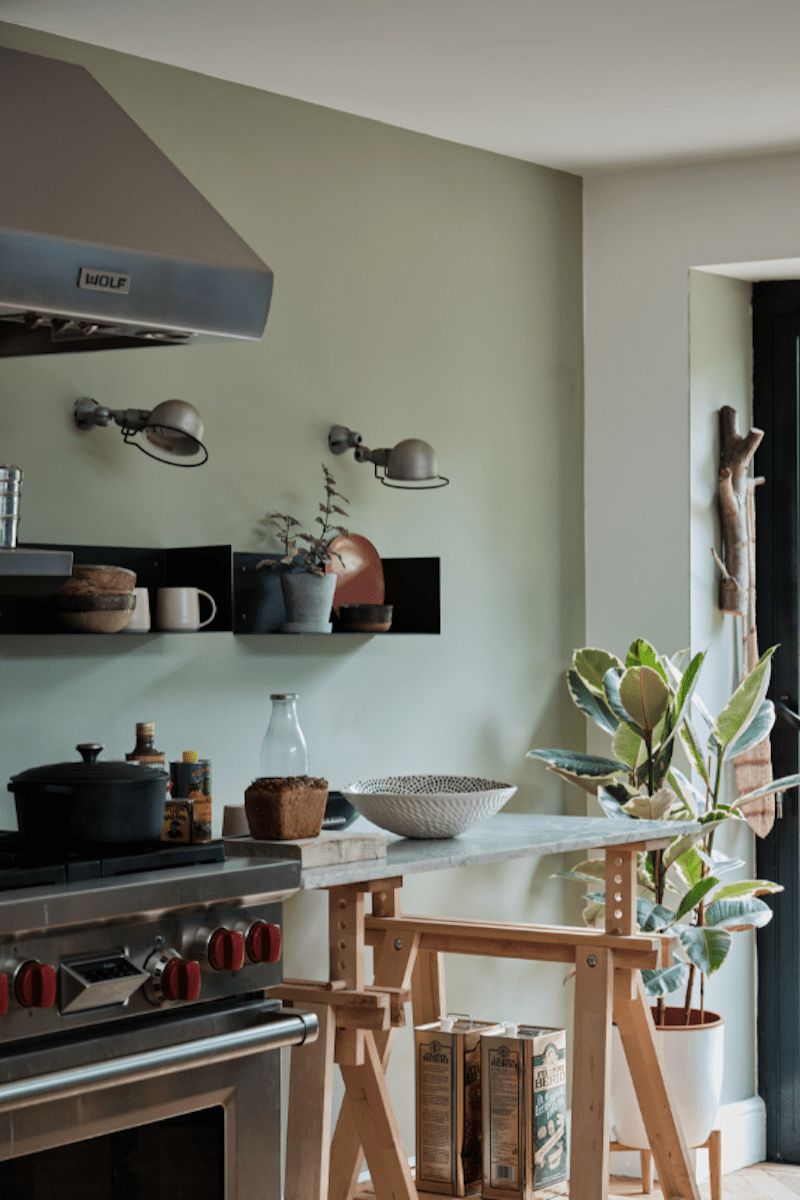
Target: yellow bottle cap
190 756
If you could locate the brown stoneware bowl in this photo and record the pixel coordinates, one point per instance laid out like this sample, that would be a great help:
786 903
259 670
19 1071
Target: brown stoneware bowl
366 618
108 613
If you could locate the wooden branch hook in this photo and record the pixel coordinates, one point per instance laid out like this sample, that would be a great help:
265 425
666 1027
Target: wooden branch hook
735 455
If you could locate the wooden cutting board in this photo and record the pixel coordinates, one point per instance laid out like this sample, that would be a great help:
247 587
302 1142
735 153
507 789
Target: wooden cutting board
329 848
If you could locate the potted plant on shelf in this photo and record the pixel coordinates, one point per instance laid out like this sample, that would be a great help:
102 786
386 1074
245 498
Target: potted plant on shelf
307 589
646 705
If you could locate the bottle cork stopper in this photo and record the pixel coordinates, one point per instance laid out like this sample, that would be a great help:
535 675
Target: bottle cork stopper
190 756
145 728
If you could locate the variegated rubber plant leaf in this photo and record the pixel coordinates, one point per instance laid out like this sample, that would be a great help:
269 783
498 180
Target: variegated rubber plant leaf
706 948
592 665
590 703
686 792
682 843
744 888
695 895
665 980
769 789
689 866
650 808
611 691
718 863
612 797
642 654
588 771
745 702
644 696
629 747
737 915
652 917
756 731
692 745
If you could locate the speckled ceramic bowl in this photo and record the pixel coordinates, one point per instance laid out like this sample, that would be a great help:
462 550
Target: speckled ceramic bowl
428 806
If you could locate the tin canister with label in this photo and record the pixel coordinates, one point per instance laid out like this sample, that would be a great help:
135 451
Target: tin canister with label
448 1090
187 816
524 1104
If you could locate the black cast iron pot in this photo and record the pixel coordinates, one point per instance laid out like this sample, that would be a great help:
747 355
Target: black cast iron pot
89 805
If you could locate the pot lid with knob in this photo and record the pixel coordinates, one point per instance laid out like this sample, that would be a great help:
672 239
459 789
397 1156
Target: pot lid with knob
88 771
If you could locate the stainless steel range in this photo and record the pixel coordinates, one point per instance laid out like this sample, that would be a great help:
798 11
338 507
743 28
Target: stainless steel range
137 1050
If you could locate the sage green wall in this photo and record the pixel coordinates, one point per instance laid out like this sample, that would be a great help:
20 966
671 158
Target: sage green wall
421 289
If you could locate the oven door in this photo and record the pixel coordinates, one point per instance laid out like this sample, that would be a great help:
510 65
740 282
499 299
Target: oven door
183 1104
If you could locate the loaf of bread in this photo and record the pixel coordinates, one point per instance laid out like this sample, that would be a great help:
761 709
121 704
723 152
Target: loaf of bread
285 809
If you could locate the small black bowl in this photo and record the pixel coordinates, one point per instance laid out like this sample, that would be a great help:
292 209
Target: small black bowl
339 812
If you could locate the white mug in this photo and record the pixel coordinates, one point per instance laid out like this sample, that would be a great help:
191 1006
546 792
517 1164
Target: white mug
179 608
140 618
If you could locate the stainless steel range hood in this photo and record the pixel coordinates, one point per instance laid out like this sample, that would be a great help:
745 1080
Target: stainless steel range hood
103 242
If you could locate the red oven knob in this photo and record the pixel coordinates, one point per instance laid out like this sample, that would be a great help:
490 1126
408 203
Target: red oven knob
264 942
180 979
226 950
3 995
35 985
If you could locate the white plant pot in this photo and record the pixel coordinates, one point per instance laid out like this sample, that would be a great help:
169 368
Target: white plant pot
693 1061
308 600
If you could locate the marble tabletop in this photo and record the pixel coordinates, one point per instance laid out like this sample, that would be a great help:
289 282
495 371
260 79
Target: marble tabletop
505 836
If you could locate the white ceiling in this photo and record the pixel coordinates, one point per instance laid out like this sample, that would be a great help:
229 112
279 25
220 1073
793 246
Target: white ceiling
583 85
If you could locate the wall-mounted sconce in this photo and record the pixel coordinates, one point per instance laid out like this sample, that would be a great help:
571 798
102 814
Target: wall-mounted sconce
174 427
409 464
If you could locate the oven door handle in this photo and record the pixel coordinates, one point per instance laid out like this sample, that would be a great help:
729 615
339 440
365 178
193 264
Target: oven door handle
285 1028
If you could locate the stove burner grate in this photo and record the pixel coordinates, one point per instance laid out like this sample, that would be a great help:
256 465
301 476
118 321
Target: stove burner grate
19 868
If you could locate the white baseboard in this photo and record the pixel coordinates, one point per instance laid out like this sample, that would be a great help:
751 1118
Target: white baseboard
744 1141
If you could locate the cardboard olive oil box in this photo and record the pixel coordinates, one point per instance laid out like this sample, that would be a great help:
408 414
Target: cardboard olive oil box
524 1104
448 1087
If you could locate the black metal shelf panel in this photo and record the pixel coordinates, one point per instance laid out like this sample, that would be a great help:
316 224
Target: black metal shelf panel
249 601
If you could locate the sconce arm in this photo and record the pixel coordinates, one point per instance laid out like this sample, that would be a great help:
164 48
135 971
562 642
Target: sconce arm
379 457
89 414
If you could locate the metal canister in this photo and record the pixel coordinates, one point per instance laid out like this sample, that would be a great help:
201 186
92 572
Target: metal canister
187 816
524 1108
448 1090
10 482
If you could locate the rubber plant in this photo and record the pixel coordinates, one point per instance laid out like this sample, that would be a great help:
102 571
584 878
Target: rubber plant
646 705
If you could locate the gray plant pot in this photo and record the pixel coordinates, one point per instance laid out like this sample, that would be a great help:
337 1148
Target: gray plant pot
308 600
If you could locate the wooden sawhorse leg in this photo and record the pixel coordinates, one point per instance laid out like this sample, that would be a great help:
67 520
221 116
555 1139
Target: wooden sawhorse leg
635 1023
396 965
366 1125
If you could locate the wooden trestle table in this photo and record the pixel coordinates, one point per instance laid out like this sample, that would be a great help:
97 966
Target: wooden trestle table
357 1019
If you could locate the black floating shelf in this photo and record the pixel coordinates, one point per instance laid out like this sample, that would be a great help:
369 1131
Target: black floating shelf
248 600
412 587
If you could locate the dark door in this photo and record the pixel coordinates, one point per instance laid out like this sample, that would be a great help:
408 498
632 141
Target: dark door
776 410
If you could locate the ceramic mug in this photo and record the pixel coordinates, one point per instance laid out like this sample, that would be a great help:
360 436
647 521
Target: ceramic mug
179 608
140 618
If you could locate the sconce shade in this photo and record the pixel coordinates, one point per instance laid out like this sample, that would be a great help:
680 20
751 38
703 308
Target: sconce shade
176 427
412 459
